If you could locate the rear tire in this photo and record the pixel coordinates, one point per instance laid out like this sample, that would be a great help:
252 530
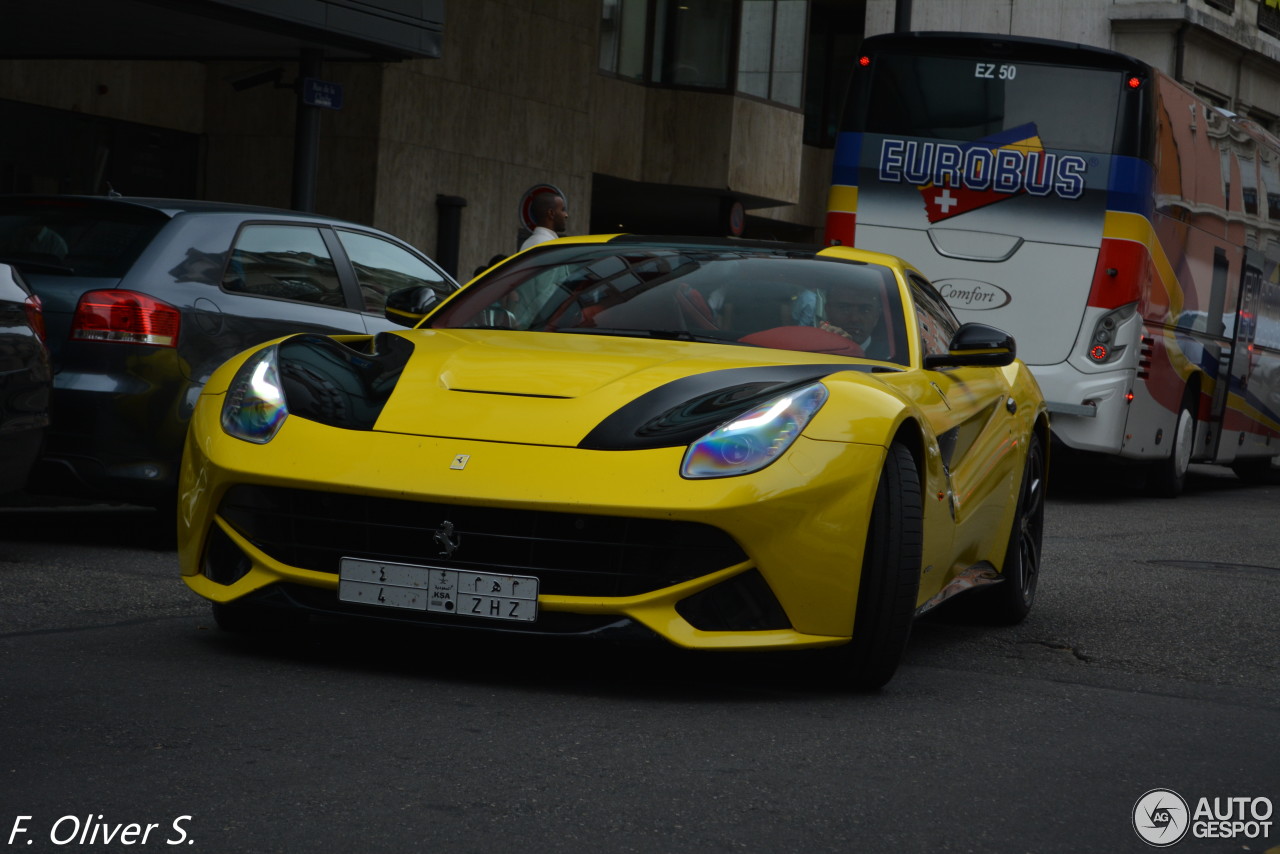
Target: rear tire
1256 470
1009 602
890 579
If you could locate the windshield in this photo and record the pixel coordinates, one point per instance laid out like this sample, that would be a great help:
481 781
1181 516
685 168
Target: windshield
967 99
729 295
72 238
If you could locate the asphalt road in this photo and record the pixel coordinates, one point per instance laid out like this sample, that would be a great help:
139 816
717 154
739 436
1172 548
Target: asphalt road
1152 660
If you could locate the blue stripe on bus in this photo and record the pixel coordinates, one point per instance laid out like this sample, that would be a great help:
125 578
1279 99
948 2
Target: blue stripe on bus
1021 133
1129 186
848 155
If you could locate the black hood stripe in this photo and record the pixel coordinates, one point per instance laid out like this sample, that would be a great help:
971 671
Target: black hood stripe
683 410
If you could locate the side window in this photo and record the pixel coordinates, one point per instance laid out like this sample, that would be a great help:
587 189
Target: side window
938 325
283 261
383 268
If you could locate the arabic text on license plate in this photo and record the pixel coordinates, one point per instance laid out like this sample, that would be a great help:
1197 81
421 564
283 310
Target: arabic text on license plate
435 589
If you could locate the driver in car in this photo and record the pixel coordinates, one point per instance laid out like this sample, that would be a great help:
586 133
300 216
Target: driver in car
854 311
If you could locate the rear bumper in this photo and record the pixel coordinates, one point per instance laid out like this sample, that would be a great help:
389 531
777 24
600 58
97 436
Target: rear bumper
1088 412
116 431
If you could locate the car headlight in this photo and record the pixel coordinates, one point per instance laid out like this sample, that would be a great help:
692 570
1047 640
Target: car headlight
756 438
254 407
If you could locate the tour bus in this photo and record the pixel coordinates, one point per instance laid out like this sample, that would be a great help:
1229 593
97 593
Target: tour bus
1126 232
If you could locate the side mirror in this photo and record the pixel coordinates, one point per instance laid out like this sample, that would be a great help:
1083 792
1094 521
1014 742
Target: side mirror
409 305
976 345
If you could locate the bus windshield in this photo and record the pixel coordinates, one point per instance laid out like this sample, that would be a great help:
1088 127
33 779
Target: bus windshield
966 99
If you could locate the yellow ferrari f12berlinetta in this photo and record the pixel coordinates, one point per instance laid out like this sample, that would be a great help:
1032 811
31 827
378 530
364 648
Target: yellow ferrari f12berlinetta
723 444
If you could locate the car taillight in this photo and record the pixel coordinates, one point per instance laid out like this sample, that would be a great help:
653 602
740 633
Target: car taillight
35 315
127 317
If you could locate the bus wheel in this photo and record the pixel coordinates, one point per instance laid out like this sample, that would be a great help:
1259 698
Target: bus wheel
890 576
1257 470
1167 477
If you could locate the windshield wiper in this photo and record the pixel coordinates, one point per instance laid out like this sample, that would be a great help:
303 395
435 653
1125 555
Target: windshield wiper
663 334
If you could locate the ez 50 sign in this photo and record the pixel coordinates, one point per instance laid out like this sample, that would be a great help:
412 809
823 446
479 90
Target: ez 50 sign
992 71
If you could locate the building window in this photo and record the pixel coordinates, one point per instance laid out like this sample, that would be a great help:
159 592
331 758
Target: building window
692 41
755 47
624 28
771 50
1269 17
834 37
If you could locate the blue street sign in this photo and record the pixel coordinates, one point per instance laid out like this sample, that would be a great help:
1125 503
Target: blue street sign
321 93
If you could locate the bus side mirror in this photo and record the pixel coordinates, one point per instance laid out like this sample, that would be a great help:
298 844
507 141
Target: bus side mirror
409 305
976 345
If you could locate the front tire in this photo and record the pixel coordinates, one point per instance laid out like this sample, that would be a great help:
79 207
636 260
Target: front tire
890 579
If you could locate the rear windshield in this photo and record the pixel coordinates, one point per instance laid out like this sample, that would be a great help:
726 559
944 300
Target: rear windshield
967 99
73 238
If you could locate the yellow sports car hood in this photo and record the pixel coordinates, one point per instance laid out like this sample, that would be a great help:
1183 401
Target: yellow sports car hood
584 390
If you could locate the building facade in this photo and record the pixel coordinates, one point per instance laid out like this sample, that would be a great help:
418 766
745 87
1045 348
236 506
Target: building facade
678 116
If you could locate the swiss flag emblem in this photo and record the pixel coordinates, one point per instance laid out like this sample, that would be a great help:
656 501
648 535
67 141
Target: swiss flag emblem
979 187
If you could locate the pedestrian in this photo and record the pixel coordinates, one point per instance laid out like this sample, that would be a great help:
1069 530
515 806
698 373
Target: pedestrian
550 216
491 262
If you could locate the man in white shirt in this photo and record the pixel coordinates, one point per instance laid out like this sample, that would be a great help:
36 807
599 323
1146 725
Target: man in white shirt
551 216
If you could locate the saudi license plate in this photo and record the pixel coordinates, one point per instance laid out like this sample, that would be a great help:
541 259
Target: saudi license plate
438 590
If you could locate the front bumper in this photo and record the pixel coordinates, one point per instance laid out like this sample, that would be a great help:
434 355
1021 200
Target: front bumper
799 523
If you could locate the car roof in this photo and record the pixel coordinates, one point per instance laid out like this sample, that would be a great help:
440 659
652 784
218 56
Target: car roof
169 207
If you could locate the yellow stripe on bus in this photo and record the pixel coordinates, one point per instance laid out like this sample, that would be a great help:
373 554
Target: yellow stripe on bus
842 198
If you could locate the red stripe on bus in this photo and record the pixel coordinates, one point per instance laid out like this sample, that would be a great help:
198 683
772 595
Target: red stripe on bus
840 228
1124 268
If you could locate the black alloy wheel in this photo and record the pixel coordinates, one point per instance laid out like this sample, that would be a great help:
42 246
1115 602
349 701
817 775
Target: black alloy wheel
1009 602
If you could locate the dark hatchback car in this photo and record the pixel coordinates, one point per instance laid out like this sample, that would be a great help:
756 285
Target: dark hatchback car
144 298
24 379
